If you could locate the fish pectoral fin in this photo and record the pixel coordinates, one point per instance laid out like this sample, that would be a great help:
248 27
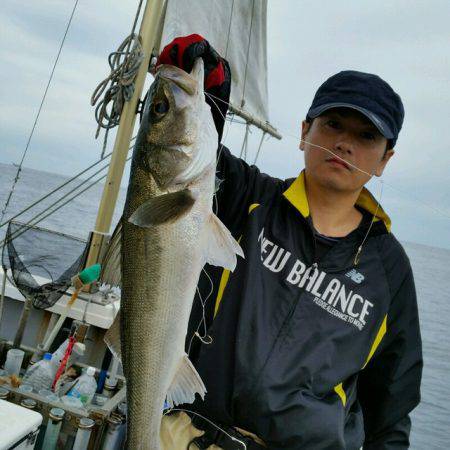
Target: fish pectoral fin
164 208
222 248
185 384
112 337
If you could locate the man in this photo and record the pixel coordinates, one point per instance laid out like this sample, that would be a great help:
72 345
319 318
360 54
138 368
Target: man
313 342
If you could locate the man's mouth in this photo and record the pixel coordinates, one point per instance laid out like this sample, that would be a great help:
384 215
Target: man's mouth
338 161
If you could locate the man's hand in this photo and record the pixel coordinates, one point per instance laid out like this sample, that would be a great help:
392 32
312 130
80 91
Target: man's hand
183 51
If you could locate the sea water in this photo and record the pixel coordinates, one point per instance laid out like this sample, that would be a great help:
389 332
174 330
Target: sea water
431 266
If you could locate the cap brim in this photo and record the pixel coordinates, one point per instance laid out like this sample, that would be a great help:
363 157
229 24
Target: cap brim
382 127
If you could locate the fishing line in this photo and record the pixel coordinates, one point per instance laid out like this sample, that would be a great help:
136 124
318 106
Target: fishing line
378 179
356 258
374 215
228 126
209 421
19 168
203 319
337 156
206 338
292 136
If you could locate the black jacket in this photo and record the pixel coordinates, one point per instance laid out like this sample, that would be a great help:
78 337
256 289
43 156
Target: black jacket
307 354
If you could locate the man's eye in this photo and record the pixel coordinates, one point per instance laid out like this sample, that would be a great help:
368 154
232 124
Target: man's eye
333 124
368 136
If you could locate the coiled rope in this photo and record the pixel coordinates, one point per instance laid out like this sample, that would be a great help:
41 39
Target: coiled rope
124 64
124 67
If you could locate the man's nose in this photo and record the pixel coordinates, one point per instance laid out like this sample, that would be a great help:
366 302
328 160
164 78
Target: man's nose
345 144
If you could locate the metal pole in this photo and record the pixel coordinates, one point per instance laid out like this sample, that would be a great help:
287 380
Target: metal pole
22 322
250 119
148 32
2 297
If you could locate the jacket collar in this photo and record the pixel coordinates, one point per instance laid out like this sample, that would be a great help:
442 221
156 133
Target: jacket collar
296 195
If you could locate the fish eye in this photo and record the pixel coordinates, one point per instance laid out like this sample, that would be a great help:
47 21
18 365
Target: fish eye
161 107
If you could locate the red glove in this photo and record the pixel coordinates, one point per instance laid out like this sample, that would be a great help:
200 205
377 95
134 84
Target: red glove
183 51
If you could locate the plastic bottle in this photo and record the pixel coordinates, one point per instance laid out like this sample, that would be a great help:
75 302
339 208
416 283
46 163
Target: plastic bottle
14 359
85 387
41 374
77 353
58 354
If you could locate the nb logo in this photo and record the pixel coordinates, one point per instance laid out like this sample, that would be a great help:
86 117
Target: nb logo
355 276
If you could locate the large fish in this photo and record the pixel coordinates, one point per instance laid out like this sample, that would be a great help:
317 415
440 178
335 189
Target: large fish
168 232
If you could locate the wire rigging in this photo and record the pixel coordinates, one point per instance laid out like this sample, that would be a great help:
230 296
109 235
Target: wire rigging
244 147
52 210
229 30
53 191
379 180
19 168
259 147
248 54
61 186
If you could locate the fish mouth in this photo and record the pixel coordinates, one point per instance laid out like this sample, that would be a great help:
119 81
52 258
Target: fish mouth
180 146
179 77
339 161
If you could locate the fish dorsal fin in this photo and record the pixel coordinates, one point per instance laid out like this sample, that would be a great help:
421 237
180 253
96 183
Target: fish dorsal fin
164 208
185 384
112 338
221 248
111 261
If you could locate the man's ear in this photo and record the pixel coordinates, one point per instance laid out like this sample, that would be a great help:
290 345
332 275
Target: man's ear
305 128
382 164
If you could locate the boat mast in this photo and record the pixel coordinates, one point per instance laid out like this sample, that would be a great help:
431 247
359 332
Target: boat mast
150 33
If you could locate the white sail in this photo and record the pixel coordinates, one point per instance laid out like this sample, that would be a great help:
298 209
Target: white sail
237 30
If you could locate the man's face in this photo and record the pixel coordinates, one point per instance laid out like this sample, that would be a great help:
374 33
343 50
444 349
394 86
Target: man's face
352 137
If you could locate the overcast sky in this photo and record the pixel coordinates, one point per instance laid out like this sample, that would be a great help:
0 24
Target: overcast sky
404 41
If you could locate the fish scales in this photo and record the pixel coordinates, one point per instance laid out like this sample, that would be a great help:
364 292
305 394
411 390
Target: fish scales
155 319
168 232
157 291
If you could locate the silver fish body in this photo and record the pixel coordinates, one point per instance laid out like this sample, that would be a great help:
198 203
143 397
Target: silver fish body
168 233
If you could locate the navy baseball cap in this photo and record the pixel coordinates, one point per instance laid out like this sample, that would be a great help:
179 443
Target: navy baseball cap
366 93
